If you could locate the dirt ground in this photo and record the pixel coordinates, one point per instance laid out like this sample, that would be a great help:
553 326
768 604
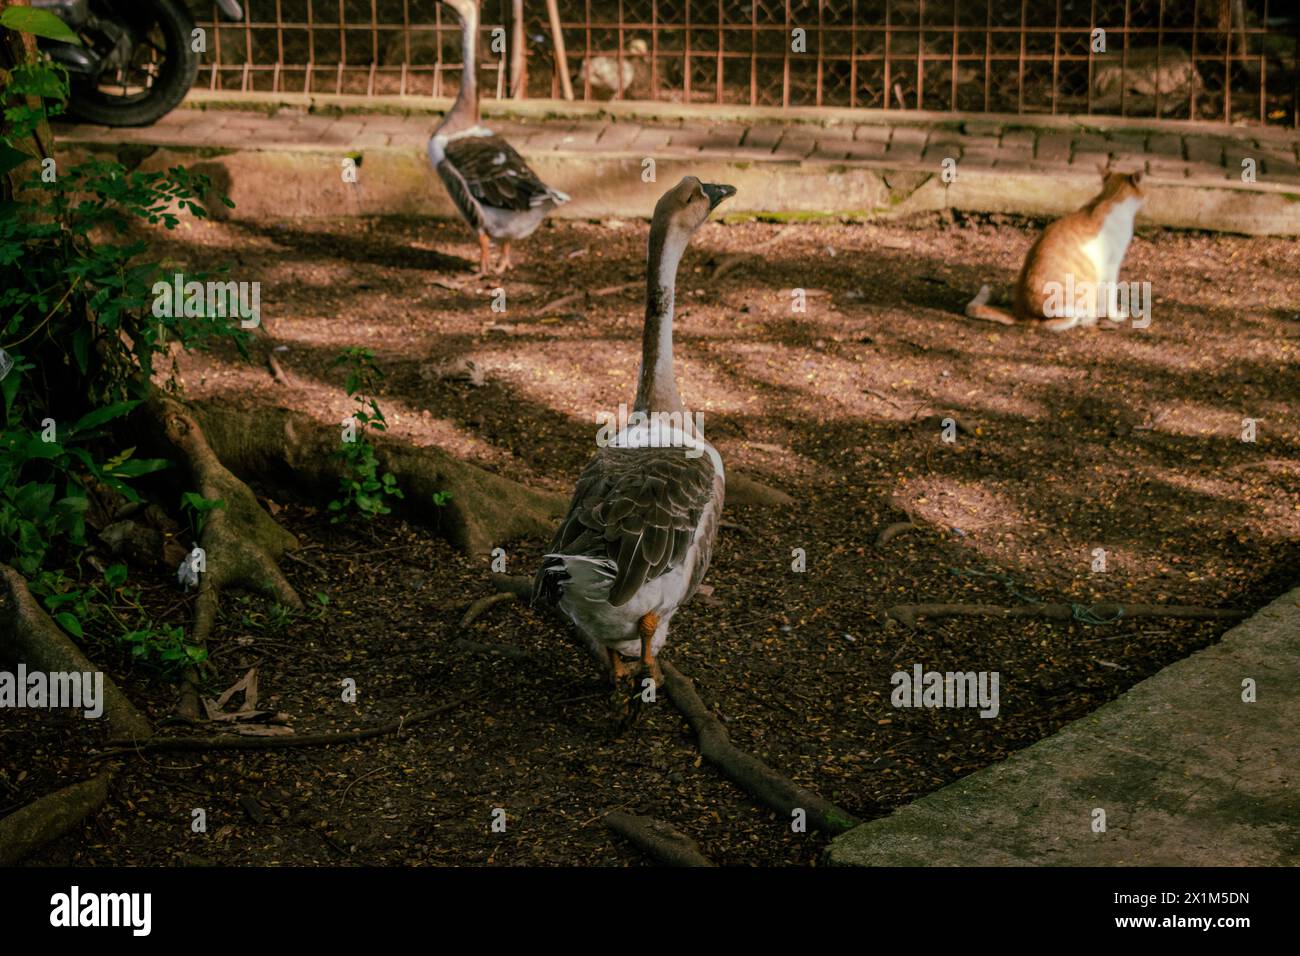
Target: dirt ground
1122 439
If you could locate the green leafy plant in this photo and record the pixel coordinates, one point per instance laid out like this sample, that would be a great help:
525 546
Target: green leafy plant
164 648
362 489
77 311
110 606
43 496
76 316
161 648
197 507
267 617
78 331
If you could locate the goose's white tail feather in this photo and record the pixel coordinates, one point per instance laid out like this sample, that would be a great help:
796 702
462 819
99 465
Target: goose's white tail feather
585 576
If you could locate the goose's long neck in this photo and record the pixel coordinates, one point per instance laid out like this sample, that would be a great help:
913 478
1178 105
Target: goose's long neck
464 112
657 387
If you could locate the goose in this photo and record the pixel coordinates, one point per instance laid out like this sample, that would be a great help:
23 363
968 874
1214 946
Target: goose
494 190
639 532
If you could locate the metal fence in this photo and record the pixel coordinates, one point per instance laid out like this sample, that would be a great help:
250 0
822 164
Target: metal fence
1218 60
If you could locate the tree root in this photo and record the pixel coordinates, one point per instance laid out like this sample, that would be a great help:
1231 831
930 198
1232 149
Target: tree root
743 490
510 587
894 530
28 635
743 769
520 585
235 742
50 817
1102 613
291 450
659 840
728 264
242 544
746 770
572 297
482 604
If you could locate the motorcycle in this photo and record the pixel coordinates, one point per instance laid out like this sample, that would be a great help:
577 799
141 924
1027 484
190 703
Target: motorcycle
137 59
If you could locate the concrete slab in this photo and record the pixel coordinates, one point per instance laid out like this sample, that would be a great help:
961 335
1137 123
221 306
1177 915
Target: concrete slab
1185 771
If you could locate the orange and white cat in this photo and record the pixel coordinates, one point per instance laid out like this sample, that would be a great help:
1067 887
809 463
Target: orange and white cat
1071 274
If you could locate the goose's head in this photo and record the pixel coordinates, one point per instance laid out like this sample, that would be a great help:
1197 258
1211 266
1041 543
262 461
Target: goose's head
682 209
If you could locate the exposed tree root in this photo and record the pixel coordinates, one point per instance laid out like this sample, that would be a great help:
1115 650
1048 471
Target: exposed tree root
520 585
585 295
235 742
728 264
746 770
561 302
743 490
893 531
50 817
290 450
659 840
1096 613
482 604
27 635
572 297
242 544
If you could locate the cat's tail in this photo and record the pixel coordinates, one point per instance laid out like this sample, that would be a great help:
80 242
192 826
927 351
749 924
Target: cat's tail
979 308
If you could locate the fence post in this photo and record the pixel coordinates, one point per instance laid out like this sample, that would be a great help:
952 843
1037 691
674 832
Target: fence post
518 51
561 58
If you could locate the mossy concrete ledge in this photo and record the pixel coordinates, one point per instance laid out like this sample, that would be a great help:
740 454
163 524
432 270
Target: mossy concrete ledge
296 182
1187 773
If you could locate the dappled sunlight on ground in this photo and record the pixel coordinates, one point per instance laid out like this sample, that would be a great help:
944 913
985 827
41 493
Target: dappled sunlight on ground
866 368
1117 440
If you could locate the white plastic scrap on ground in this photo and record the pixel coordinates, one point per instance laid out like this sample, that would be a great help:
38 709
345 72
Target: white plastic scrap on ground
186 575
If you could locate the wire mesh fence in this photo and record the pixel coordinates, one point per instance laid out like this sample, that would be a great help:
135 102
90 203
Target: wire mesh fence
1217 60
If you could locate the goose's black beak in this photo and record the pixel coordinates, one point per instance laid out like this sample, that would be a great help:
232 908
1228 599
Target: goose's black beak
717 193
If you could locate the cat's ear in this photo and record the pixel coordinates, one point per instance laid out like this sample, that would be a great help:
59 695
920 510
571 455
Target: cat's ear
1135 177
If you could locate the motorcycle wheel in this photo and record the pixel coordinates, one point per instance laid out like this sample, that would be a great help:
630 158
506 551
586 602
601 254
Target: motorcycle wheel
162 69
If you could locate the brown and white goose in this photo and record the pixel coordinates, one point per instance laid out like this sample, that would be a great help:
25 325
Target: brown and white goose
491 185
636 542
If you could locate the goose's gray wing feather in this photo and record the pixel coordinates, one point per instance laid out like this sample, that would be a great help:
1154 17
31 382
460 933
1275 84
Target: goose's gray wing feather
462 195
639 508
495 175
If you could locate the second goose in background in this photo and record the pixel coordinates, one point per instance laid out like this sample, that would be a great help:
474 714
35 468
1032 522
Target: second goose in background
491 185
